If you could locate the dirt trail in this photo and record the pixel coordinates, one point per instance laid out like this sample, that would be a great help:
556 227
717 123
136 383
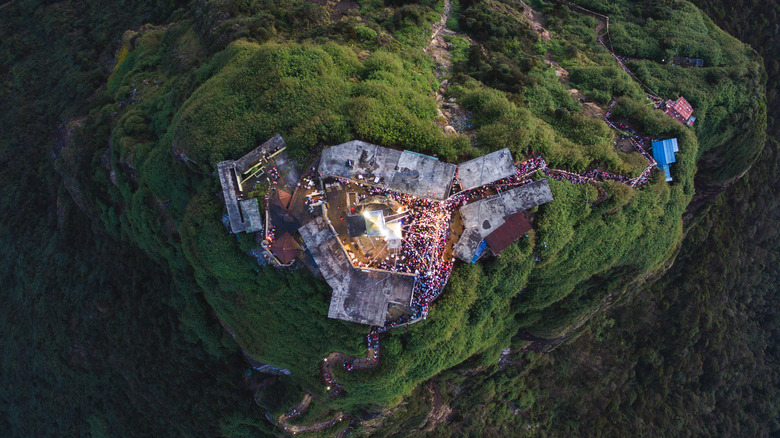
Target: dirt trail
606 41
535 20
351 363
343 432
537 24
456 119
313 427
283 419
440 411
603 20
298 410
437 47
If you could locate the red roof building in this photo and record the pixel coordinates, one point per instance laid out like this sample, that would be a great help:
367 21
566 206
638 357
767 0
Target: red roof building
513 228
284 198
680 110
286 249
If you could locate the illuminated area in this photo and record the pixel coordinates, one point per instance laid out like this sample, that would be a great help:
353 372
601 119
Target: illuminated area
385 230
381 229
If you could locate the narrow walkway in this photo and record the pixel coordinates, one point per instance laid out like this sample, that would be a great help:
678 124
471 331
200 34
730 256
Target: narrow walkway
293 429
282 420
603 24
298 410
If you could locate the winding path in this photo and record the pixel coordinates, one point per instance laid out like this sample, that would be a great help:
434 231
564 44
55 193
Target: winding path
603 24
293 429
283 420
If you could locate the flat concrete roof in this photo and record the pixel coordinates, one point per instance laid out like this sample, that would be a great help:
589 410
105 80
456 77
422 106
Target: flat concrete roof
467 245
423 176
482 217
252 157
251 211
406 172
486 169
359 295
485 214
323 245
281 161
227 179
527 196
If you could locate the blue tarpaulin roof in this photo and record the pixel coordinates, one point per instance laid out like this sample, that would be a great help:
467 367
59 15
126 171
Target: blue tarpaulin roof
663 153
479 252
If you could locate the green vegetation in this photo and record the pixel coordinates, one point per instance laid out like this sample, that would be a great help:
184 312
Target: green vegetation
121 275
459 47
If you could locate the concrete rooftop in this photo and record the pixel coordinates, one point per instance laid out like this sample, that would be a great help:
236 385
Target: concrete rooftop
227 177
486 169
405 172
359 295
251 211
482 217
247 161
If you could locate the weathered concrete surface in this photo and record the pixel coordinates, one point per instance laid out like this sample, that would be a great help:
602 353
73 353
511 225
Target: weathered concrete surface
227 178
486 169
405 172
252 157
251 211
359 295
482 217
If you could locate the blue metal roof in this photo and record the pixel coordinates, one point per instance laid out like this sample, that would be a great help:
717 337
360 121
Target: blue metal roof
479 252
663 153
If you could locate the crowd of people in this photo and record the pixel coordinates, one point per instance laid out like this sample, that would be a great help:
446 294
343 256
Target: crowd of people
427 230
273 173
327 375
425 233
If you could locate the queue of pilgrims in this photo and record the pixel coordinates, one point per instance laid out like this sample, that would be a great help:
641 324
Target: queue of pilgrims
426 232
